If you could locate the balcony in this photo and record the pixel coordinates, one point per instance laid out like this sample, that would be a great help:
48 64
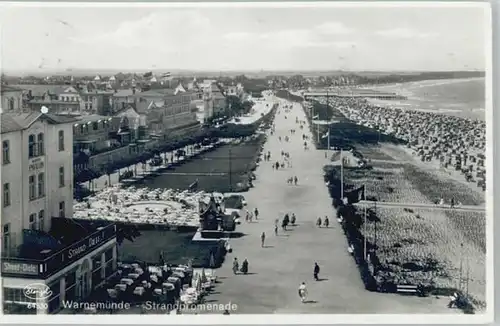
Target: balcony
44 254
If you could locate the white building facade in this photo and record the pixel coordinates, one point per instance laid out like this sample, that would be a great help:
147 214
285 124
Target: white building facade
37 203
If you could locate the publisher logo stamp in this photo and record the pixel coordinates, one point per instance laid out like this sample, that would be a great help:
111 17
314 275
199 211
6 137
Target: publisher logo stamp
37 291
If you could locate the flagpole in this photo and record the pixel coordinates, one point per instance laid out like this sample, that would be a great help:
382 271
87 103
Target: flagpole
327 107
364 227
317 132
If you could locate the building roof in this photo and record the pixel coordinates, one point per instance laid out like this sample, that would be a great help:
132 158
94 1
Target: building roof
161 92
125 109
90 118
8 88
124 93
11 122
53 102
40 90
218 95
8 124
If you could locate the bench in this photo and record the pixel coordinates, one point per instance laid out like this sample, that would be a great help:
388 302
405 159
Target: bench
407 289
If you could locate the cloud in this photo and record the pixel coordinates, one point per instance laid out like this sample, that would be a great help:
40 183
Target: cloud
238 36
165 32
333 28
316 36
403 33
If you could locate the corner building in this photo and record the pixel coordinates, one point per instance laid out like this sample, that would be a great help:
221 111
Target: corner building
42 245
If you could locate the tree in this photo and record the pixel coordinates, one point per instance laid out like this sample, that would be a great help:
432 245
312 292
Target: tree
126 231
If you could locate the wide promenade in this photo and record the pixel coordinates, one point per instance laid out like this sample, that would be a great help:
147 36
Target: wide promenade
287 259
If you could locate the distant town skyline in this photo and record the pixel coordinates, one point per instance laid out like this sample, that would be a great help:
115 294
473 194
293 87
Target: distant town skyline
358 38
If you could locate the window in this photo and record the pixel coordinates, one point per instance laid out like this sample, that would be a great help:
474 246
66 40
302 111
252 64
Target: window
96 269
61 176
61 140
6 194
32 225
40 145
6 238
95 126
11 104
32 187
41 185
41 220
31 146
71 286
16 295
82 130
55 299
5 152
61 209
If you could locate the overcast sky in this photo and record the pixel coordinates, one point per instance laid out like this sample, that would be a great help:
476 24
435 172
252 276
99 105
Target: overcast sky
37 39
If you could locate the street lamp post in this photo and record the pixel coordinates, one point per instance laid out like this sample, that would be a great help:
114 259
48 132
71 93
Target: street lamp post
230 171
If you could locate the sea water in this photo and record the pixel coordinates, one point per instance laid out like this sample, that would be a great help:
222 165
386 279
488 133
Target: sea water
459 97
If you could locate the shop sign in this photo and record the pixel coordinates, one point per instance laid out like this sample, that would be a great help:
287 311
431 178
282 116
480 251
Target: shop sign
19 268
35 164
85 246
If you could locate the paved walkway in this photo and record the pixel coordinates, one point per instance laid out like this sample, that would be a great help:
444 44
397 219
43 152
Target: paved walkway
461 208
277 270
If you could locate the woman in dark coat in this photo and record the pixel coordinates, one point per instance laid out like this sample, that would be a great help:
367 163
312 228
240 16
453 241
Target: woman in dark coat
286 220
244 266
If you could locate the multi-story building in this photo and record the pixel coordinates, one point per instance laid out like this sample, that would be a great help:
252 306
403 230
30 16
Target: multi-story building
123 98
67 99
59 99
100 141
12 98
47 257
169 111
96 101
214 101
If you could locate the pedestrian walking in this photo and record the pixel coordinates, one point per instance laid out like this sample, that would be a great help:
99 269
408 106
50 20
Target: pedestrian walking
262 239
318 222
295 180
236 265
244 266
326 222
452 203
256 213
292 220
316 271
303 292
276 229
285 222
